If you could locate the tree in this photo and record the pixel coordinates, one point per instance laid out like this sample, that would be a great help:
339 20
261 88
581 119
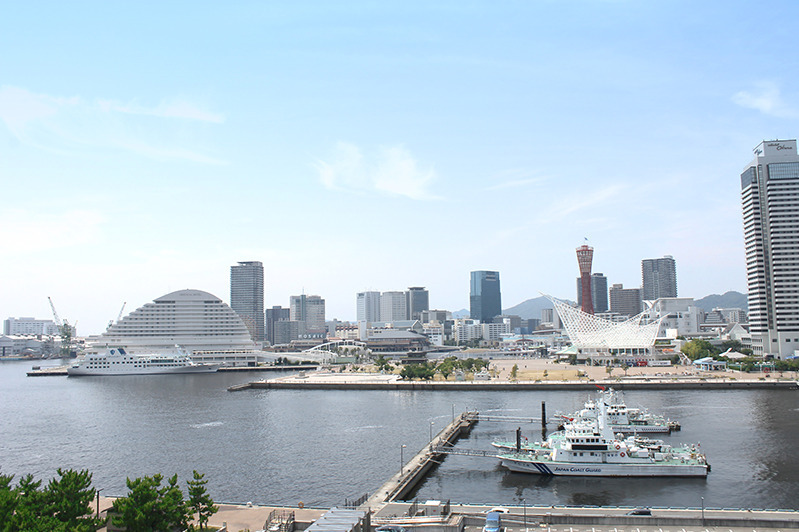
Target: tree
69 499
150 507
199 501
698 348
8 498
514 371
31 512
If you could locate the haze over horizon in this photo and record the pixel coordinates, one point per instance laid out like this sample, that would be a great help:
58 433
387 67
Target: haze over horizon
355 146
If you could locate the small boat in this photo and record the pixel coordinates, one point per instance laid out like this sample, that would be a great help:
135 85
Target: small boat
588 447
117 361
623 419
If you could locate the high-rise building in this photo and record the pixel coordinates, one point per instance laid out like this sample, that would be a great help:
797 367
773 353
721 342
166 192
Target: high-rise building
625 301
417 301
770 200
485 298
274 315
247 296
368 306
658 278
585 255
309 310
599 292
393 306
29 326
194 320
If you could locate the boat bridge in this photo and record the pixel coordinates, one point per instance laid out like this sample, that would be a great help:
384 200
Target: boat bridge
441 449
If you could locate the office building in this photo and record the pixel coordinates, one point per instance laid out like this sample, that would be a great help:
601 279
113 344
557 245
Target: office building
274 315
770 201
440 316
485 299
599 292
417 301
393 307
368 306
309 310
247 296
625 301
29 326
658 278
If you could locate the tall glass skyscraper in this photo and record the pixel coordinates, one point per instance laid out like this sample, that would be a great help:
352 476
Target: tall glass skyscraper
247 296
770 200
485 300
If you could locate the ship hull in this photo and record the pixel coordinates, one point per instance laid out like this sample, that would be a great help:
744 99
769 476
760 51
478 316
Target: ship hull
84 372
548 468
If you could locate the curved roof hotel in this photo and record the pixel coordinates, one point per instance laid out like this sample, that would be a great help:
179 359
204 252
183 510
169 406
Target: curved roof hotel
197 321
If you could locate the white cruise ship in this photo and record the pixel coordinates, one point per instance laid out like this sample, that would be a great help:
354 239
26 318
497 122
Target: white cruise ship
116 361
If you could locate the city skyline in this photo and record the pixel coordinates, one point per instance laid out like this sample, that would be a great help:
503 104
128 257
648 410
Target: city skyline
138 167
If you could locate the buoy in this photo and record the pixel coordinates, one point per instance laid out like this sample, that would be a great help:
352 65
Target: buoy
621 453
618 446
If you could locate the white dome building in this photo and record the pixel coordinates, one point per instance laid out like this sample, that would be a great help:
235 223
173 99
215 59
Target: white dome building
197 321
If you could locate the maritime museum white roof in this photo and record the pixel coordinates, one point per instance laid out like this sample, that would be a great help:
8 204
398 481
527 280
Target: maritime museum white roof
192 319
587 331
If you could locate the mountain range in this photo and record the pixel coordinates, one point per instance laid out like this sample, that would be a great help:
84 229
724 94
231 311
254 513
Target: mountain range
532 308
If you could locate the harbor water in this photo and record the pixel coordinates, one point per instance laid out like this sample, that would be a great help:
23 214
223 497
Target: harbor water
317 447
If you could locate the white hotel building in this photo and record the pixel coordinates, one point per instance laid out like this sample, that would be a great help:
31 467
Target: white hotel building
770 200
197 321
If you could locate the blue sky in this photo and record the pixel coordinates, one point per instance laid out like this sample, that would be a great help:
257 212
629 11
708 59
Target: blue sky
146 147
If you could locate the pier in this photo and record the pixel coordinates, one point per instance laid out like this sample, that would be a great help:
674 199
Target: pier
413 471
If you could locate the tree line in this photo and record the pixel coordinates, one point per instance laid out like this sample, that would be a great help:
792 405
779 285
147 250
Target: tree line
64 504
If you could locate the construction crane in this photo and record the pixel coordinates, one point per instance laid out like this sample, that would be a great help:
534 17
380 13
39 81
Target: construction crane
119 317
65 330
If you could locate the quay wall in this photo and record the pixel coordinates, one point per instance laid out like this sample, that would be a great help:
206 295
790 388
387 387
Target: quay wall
518 386
567 518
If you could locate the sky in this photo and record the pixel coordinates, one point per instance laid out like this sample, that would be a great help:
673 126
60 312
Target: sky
146 147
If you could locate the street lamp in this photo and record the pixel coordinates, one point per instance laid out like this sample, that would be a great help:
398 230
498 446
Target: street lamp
98 501
431 432
402 462
524 506
703 511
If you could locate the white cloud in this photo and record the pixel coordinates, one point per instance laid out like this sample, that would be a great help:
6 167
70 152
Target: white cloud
389 169
73 125
42 232
175 109
767 99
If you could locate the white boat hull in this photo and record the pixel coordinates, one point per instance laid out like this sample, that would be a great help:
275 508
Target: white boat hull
199 368
604 470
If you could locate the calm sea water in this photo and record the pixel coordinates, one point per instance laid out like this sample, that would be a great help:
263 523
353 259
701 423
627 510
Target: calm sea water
320 447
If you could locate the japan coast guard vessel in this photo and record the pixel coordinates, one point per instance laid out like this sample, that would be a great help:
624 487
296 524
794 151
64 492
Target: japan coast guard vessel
116 361
588 447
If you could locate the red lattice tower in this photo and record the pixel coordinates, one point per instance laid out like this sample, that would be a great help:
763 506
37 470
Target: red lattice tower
585 255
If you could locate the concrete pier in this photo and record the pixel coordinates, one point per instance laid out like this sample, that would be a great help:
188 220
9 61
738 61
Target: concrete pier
415 469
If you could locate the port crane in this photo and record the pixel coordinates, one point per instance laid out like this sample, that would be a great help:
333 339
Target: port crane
65 330
119 317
